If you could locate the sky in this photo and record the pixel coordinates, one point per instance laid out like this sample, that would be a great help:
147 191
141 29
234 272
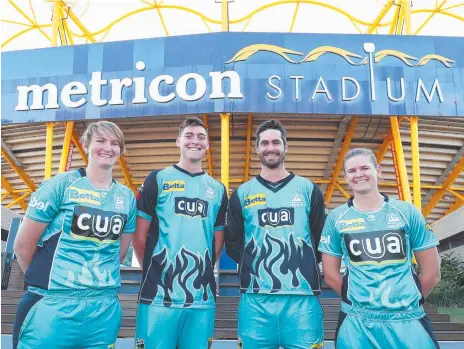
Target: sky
310 18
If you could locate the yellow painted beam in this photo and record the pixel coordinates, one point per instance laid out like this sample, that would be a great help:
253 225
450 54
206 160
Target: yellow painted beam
457 204
436 197
395 21
429 18
78 145
5 195
225 15
19 171
339 164
165 28
126 174
295 13
248 148
56 22
66 146
458 196
399 163
406 15
18 200
7 186
343 191
49 150
66 31
225 148
386 143
79 24
416 188
209 151
381 15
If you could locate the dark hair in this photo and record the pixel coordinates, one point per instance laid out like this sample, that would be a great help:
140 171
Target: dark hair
360 151
190 121
271 125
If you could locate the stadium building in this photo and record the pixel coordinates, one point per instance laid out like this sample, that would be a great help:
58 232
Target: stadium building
387 76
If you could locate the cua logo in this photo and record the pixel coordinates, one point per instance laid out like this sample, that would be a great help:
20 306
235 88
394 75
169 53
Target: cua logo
191 207
276 217
379 247
97 225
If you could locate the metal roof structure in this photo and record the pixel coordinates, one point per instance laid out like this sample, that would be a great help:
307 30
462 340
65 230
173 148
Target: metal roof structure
34 151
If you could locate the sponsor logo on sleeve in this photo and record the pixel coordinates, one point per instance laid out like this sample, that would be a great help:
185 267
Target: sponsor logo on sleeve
170 186
254 200
378 247
39 205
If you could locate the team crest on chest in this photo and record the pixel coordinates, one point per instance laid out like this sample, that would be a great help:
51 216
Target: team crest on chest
118 202
393 221
209 193
297 200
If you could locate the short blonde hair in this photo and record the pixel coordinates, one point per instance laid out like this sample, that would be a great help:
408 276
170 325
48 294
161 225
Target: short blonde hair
360 151
103 126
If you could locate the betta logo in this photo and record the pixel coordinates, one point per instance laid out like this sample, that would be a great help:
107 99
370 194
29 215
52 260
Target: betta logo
169 186
191 207
276 217
253 200
379 247
97 225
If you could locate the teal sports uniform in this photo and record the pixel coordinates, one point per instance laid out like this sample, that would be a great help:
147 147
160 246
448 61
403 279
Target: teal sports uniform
272 231
72 280
177 297
381 292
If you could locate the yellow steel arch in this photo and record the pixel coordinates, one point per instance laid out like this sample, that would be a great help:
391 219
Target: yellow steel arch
371 27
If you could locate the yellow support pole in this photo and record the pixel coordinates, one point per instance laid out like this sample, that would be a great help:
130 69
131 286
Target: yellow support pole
19 171
406 14
248 149
399 155
416 188
126 174
225 15
66 146
77 143
225 150
381 15
16 201
56 22
7 186
386 143
294 16
208 152
436 197
66 31
395 21
341 155
49 151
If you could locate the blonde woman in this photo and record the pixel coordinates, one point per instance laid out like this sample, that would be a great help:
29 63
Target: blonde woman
75 233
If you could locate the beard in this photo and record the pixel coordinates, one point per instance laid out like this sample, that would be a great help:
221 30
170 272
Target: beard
272 163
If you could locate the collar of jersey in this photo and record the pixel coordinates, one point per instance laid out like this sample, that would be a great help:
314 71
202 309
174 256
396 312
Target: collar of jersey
385 199
187 172
83 173
275 186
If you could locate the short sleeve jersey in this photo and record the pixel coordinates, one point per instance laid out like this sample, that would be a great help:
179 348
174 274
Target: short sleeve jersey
377 248
79 249
185 210
272 231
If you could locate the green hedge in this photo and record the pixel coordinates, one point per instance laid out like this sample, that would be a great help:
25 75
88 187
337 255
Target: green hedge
450 291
